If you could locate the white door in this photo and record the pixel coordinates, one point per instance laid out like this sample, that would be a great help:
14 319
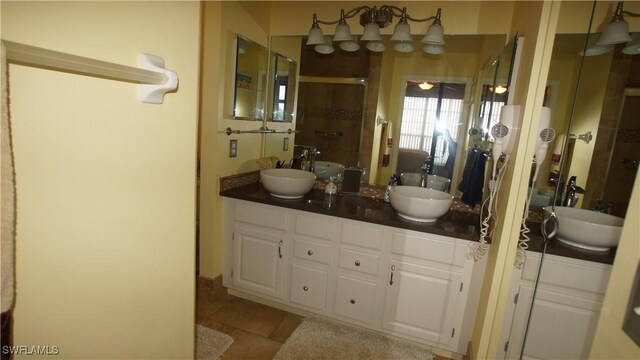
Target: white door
258 261
562 326
421 301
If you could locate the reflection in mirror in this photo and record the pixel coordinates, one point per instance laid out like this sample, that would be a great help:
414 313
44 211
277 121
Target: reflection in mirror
592 164
330 117
386 75
250 80
283 88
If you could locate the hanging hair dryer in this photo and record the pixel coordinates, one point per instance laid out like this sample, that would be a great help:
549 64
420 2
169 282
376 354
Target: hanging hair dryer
504 132
544 137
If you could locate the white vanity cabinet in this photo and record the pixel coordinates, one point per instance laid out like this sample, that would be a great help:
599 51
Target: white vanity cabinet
408 284
309 269
432 289
566 310
259 239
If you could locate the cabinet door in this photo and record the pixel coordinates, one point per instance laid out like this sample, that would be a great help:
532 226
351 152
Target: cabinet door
421 301
355 298
555 315
258 261
308 286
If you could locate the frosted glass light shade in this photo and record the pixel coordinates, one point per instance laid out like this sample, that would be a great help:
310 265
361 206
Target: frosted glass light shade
402 32
371 32
351 45
315 36
326 48
376 46
435 35
404 46
433 49
595 50
633 48
615 32
343 33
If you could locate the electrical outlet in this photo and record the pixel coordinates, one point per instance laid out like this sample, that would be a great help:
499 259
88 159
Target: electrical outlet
285 144
233 148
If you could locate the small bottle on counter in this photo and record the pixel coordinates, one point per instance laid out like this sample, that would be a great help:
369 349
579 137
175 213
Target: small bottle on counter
331 188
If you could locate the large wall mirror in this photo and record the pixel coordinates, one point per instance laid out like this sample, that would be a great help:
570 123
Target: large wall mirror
594 101
250 82
341 95
593 92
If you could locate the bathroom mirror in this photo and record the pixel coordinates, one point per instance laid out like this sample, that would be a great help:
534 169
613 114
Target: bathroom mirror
250 80
282 89
597 118
495 81
380 84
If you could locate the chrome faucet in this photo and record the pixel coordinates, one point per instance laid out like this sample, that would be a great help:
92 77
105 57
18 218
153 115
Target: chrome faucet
308 154
424 172
570 197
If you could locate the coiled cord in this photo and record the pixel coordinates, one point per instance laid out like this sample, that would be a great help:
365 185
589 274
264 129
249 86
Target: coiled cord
477 250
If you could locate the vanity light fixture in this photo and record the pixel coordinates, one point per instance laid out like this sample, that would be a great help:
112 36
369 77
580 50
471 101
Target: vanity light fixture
500 89
425 85
633 47
372 19
617 30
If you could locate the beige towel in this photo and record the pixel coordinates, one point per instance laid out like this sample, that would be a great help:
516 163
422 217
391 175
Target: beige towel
7 196
387 143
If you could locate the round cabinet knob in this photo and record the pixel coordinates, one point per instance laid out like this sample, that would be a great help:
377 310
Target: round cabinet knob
310 252
357 262
353 301
305 288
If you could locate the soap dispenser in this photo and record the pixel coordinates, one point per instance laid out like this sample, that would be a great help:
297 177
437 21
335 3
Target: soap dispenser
331 188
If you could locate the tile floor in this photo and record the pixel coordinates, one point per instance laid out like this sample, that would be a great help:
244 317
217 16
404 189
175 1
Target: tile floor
258 330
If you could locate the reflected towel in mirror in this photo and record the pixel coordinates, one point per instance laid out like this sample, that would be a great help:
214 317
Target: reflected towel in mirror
387 143
473 177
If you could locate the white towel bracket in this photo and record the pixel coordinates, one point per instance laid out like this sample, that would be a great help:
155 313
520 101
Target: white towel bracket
154 79
154 93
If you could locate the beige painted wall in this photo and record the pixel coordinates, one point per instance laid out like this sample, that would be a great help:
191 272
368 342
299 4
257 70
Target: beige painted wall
587 115
536 22
610 341
458 17
221 22
105 183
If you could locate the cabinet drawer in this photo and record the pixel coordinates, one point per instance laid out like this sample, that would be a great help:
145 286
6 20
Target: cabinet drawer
363 236
424 247
308 286
355 298
270 217
309 250
316 226
358 261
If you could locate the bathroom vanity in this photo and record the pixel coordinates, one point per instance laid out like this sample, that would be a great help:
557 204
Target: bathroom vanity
567 306
353 259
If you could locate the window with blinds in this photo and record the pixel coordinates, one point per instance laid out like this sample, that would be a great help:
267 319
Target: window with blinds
420 118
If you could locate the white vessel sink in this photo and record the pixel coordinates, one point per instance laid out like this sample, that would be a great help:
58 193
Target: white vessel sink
433 181
327 169
587 229
419 204
287 183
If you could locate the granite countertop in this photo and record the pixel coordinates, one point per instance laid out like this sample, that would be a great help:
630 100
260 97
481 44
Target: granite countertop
455 223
